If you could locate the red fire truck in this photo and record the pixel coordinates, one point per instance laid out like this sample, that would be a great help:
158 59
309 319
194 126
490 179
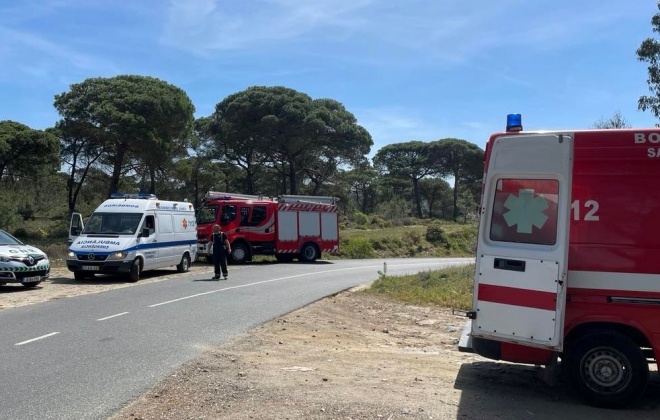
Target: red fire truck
568 257
289 226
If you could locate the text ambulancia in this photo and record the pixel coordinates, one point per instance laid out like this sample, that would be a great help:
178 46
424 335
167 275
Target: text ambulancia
128 234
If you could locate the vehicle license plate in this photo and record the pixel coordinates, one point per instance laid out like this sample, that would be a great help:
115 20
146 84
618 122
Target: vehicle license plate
30 279
90 267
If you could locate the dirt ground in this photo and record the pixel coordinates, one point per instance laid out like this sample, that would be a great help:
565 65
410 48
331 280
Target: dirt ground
349 356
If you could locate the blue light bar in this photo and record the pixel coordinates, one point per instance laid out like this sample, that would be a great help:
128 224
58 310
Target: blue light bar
143 196
514 122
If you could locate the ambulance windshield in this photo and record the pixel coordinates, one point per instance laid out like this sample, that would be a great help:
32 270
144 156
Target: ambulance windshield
113 223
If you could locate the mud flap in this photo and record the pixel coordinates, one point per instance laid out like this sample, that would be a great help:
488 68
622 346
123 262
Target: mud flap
465 342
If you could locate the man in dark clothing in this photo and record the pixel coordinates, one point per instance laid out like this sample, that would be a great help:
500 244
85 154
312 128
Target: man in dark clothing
221 249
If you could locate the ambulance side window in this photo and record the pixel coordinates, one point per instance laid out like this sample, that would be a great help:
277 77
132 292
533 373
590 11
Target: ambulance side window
149 223
525 211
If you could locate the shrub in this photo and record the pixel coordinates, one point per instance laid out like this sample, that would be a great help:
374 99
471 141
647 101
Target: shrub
360 218
436 234
359 248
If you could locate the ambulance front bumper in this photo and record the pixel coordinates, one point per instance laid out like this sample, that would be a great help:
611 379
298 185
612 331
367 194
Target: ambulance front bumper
106 267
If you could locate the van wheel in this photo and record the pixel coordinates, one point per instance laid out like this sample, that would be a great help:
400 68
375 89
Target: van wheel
607 369
79 275
184 265
134 274
308 253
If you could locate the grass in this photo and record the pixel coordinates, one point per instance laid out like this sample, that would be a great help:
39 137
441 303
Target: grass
451 287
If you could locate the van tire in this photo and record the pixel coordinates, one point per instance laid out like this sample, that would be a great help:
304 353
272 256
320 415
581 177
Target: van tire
79 275
607 369
184 265
134 274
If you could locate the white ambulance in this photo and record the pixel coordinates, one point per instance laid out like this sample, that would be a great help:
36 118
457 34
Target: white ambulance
131 233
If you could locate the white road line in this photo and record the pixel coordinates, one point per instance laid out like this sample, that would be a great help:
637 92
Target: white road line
112 316
285 278
35 339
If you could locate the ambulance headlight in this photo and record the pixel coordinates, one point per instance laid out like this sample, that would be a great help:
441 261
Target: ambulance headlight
71 255
117 256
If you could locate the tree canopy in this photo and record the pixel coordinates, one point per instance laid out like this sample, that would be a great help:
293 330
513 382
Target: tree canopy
23 150
288 132
649 52
133 116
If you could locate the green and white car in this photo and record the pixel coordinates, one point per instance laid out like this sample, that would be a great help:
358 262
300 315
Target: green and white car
20 263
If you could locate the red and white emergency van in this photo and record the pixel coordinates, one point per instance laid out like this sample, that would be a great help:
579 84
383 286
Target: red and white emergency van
288 226
568 257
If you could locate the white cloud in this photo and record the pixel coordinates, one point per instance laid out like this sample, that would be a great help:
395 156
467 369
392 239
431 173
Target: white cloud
432 32
206 25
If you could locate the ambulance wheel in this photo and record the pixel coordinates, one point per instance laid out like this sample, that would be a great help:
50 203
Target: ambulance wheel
79 275
134 274
184 265
239 253
607 369
308 253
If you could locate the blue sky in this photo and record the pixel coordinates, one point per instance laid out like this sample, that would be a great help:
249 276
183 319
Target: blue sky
408 70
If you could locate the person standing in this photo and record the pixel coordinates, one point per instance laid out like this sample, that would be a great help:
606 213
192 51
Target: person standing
221 249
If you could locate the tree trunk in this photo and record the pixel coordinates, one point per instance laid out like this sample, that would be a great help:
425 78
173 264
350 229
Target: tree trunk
455 215
152 179
116 170
418 199
293 179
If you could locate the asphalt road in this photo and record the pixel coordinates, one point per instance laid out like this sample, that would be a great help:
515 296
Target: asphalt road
85 357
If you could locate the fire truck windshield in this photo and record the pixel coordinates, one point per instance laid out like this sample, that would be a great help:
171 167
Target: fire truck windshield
206 214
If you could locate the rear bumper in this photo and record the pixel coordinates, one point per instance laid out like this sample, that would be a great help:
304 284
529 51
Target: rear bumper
490 349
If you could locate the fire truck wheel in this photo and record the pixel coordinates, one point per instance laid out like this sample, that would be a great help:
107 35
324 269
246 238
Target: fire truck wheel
239 253
607 369
184 265
134 274
309 253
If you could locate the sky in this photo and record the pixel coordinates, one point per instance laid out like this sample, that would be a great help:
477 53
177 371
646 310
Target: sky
407 69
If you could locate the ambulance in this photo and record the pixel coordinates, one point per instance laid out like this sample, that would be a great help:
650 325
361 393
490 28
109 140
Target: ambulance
131 233
568 257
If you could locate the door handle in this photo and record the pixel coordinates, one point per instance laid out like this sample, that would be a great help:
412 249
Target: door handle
507 264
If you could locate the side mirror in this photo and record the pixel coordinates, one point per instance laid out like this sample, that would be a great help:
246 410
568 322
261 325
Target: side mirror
145 233
75 231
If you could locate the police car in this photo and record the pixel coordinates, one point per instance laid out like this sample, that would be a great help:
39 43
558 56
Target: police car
20 263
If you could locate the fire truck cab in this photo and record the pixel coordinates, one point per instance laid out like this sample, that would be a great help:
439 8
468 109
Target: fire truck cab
567 263
288 227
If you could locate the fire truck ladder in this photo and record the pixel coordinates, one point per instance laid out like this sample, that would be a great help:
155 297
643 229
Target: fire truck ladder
308 199
218 194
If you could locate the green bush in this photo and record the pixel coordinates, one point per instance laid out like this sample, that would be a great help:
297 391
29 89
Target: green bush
436 234
380 223
360 218
358 248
